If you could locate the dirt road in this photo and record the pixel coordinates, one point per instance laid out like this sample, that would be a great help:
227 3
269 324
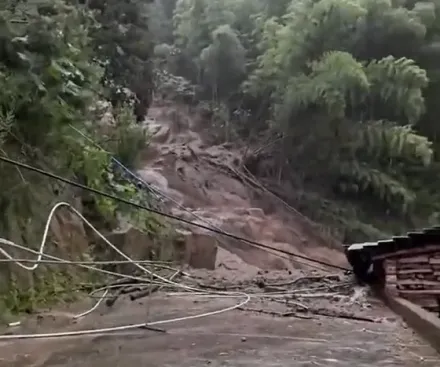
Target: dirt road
243 337
294 318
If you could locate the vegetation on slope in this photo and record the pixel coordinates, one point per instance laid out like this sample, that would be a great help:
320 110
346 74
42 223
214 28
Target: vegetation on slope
59 61
347 89
345 92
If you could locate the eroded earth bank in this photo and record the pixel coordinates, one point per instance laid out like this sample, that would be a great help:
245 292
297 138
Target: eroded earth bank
298 313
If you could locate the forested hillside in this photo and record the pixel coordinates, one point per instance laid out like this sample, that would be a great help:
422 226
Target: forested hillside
342 97
60 61
68 67
334 101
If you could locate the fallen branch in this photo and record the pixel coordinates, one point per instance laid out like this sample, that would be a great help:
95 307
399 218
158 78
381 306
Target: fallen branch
128 290
340 315
319 295
113 298
213 287
294 293
273 313
289 302
153 329
312 279
144 293
151 290
270 289
124 281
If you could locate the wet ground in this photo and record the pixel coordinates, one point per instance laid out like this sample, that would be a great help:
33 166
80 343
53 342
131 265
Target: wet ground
249 336
325 323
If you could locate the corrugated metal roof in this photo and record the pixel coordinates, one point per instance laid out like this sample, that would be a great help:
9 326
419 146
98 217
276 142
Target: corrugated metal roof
412 239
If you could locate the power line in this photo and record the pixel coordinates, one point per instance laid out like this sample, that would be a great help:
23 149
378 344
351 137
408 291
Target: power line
118 163
140 183
158 212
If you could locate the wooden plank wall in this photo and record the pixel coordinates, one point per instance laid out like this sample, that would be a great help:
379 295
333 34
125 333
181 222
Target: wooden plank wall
415 277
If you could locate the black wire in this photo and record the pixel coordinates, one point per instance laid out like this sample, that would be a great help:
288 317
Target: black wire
151 210
141 184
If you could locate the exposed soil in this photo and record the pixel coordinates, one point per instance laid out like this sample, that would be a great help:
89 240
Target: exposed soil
288 330
298 315
208 183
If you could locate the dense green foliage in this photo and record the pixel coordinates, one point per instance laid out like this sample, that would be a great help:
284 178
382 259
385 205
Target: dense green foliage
343 94
59 61
122 44
348 87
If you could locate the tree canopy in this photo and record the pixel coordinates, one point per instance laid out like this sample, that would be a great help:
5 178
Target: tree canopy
349 86
336 99
348 89
61 62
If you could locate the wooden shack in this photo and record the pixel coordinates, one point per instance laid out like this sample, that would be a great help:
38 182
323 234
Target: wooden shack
405 266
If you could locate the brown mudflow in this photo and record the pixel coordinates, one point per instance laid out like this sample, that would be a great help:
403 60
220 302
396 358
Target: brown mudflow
328 322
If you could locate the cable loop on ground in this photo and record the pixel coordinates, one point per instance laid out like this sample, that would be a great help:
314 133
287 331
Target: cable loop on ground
164 281
166 215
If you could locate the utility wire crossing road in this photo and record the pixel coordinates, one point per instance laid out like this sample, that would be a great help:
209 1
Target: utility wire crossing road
170 216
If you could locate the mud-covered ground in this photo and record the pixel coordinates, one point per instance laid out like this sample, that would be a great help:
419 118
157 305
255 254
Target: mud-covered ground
296 316
290 321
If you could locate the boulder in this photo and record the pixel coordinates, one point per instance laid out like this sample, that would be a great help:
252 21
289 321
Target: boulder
153 177
200 249
162 135
132 242
256 212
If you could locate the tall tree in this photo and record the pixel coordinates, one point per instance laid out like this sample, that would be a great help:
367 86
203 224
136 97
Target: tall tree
124 47
350 87
223 63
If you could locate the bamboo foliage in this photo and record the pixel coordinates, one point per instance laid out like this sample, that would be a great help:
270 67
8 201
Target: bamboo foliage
386 139
401 83
337 84
351 85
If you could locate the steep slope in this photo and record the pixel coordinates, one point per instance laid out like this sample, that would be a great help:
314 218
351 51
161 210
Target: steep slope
205 183
310 320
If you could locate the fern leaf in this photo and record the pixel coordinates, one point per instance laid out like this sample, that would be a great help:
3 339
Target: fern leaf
379 183
387 139
332 80
400 82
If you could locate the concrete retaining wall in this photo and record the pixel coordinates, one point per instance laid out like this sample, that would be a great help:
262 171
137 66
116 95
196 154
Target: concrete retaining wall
425 323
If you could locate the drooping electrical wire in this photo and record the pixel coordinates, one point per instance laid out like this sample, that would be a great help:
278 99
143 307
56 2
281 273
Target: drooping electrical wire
155 190
40 254
170 216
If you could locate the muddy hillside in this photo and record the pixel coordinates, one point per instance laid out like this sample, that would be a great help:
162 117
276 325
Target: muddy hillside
242 306
206 184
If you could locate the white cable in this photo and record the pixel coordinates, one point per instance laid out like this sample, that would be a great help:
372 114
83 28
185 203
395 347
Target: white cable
43 243
67 262
57 260
157 264
146 281
156 190
94 307
112 262
122 327
41 254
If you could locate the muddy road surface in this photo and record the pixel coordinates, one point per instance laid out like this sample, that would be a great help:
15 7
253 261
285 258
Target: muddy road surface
319 322
295 317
